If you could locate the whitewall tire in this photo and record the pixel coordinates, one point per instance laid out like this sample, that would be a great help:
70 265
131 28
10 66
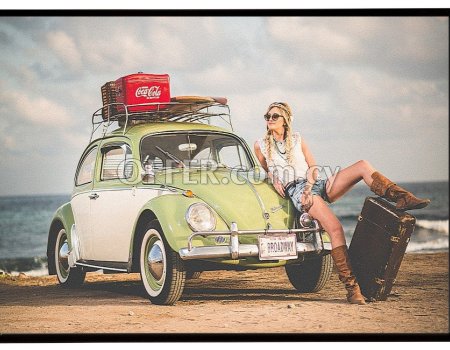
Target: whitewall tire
162 270
67 276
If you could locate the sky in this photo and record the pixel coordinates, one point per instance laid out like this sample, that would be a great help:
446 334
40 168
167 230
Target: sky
373 88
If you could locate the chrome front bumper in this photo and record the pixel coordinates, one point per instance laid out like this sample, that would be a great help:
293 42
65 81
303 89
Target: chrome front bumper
236 250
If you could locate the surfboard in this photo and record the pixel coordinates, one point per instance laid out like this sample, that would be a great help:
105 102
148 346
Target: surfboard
193 104
199 99
192 99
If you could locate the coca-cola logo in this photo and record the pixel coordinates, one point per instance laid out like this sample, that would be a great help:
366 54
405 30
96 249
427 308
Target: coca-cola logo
151 92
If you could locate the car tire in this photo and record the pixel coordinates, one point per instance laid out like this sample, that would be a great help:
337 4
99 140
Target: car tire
311 275
67 276
162 270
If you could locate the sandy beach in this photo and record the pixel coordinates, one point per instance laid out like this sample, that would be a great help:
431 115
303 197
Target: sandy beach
259 301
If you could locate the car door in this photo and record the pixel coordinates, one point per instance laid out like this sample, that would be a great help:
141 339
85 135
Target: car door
81 202
116 204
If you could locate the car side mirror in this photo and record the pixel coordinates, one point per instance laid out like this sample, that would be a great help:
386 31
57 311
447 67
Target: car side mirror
147 178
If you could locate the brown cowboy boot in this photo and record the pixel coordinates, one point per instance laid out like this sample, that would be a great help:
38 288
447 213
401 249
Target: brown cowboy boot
404 200
342 261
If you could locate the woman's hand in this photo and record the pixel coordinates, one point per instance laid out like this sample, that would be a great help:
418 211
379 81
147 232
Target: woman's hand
307 199
278 186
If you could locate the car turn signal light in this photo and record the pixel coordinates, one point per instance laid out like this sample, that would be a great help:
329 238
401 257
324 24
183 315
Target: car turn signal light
188 193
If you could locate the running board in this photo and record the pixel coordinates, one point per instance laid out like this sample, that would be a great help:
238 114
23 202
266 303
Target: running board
113 266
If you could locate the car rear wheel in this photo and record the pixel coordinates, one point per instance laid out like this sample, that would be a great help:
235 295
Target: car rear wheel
67 276
162 270
311 275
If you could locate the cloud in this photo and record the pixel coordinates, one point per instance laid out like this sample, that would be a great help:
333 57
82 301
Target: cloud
122 45
359 86
404 46
65 48
319 38
9 142
38 110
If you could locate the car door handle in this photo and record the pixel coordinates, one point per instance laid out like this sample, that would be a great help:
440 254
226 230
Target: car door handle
93 196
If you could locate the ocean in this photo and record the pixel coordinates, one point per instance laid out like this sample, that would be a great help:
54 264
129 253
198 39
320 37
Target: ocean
25 220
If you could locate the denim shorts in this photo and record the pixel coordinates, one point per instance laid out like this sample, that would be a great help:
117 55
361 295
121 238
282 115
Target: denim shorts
295 192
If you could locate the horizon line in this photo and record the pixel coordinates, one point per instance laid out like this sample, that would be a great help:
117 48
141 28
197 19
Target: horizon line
69 193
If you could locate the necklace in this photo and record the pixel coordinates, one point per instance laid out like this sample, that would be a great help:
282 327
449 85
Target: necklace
278 148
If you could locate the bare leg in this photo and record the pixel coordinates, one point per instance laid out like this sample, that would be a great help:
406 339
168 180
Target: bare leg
340 183
321 212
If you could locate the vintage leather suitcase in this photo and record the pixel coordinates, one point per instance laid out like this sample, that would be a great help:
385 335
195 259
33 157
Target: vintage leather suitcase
378 246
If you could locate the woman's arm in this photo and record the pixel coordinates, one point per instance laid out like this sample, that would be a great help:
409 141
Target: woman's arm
312 173
262 160
311 176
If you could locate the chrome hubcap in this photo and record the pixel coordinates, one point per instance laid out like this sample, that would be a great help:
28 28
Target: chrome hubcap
305 220
155 261
63 256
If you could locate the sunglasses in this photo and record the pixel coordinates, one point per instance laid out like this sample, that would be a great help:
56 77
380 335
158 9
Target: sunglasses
274 116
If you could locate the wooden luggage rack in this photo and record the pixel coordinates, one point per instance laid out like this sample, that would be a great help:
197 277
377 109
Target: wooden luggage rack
188 109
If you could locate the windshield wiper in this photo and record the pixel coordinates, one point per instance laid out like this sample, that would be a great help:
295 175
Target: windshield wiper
223 166
170 155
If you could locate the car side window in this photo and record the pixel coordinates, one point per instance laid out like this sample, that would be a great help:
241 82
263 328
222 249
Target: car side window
157 163
86 170
115 162
232 156
203 154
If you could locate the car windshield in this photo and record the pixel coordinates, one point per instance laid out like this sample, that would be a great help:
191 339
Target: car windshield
177 150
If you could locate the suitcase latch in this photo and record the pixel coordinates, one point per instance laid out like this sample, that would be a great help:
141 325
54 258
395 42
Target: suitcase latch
395 239
379 281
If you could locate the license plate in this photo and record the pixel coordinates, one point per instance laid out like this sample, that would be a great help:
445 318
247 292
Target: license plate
279 247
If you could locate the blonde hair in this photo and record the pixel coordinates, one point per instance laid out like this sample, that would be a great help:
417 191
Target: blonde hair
268 139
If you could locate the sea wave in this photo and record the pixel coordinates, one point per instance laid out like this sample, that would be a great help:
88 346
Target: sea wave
439 244
35 266
348 217
42 271
436 225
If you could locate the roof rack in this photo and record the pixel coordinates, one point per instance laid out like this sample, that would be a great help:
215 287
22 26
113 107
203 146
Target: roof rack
124 115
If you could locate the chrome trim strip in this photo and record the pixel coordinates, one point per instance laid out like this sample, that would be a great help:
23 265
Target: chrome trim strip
101 267
146 187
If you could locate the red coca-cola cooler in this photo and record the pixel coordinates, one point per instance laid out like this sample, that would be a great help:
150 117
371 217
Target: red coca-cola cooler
142 88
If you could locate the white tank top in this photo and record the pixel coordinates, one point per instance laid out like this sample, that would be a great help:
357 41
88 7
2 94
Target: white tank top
279 165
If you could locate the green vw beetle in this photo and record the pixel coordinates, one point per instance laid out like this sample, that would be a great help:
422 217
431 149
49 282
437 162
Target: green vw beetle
167 194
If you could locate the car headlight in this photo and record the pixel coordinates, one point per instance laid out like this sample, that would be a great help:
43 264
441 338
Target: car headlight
200 217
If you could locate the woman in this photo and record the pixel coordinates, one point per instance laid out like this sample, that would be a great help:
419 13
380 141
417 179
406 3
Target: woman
292 169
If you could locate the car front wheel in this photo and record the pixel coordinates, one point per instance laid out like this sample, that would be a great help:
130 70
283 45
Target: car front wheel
162 270
311 275
67 276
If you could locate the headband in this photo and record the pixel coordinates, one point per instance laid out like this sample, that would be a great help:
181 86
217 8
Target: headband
284 107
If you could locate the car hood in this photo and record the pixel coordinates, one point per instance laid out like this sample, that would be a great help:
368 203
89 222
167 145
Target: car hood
251 204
